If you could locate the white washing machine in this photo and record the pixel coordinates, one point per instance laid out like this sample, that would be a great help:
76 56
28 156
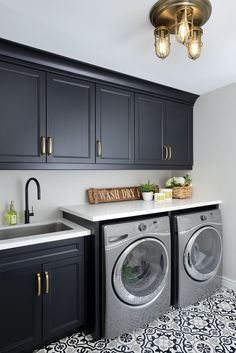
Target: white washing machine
197 256
137 278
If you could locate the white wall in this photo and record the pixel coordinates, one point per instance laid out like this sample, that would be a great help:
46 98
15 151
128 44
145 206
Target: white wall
64 187
214 172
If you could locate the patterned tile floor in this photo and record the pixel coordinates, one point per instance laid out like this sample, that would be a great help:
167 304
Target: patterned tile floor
206 327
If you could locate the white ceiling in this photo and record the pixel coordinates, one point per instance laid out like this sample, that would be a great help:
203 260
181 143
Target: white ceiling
118 35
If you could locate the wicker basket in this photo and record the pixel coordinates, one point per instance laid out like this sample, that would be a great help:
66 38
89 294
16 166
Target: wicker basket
182 192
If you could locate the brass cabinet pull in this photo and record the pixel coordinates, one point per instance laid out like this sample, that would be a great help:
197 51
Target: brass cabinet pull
39 284
49 146
166 153
47 282
43 145
99 148
170 153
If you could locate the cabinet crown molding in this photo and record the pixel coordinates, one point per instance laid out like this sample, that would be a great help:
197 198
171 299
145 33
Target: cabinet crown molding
47 60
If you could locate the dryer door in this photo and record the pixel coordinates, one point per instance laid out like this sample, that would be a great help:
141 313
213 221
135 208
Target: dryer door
203 253
141 271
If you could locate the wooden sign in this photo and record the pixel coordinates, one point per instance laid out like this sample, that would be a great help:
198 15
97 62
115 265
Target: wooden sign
114 194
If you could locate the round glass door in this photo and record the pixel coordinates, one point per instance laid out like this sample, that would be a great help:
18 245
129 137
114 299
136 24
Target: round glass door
203 254
141 271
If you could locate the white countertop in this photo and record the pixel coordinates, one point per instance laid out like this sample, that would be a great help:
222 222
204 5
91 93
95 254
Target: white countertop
75 232
115 210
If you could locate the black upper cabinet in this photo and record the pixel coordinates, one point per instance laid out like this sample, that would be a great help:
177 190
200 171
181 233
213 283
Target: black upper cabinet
114 125
149 125
22 113
163 132
63 308
179 134
57 113
70 120
20 309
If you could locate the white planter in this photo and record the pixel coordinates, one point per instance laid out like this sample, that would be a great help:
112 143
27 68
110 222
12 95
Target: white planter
147 196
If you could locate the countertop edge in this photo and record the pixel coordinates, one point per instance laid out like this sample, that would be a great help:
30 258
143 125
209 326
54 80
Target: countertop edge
165 208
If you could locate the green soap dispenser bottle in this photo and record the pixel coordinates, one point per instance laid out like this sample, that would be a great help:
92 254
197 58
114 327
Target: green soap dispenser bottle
11 215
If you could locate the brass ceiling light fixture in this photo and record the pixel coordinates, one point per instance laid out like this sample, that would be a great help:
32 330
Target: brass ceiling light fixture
182 18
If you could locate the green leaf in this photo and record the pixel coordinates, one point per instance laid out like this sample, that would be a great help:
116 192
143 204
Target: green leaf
147 187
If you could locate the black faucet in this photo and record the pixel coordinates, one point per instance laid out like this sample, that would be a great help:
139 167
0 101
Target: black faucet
28 214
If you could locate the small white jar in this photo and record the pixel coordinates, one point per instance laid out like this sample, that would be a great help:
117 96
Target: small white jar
147 196
159 196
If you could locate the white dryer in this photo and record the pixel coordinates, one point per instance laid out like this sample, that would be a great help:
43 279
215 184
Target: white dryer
197 256
137 273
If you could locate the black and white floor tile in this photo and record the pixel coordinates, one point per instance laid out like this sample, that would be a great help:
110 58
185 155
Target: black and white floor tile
206 327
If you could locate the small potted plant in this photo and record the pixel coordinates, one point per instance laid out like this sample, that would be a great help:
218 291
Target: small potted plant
147 190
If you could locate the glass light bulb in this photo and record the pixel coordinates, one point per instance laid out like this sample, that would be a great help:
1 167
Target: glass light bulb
183 22
183 31
162 48
194 49
195 45
162 42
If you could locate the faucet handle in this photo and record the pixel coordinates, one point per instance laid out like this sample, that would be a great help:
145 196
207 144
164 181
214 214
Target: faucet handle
32 211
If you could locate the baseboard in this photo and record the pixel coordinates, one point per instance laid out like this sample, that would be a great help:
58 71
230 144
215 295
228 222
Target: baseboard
228 283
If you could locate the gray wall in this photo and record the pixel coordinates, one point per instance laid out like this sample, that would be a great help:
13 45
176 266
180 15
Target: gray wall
214 172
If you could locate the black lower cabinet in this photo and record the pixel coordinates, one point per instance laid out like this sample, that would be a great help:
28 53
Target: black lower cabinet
41 295
20 309
63 303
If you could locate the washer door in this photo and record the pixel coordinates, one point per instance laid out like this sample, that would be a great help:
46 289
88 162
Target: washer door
203 254
140 273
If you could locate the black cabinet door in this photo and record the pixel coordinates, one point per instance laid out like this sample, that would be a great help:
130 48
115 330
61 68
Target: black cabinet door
20 309
179 133
22 113
149 127
114 125
70 119
63 304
